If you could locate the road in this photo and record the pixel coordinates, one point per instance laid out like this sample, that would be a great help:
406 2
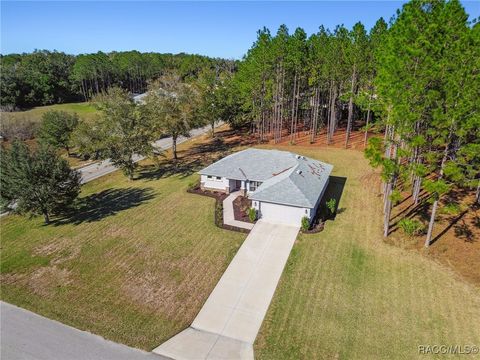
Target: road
101 168
28 336
98 169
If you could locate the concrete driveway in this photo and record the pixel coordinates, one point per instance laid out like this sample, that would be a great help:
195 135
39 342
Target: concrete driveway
28 336
228 323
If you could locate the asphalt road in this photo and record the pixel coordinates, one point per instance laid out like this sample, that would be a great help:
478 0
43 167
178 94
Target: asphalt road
28 336
98 169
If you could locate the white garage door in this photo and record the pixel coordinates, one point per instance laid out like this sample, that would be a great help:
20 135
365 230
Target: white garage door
282 214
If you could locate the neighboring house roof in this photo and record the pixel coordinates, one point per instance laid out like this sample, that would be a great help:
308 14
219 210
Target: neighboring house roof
287 178
139 98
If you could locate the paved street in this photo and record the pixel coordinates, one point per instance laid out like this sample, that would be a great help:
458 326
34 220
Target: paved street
228 323
98 169
28 336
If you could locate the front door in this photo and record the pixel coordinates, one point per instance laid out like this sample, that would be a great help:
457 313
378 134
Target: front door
238 184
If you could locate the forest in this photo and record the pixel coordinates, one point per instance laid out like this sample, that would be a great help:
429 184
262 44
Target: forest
414 82
51 77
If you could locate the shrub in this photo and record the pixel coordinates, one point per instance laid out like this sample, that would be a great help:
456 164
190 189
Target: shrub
450 209
332 205
252 214
305 223
219 213
193 185
18 128
395 197
410 227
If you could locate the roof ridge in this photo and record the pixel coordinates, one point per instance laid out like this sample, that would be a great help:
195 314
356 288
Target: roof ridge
300 191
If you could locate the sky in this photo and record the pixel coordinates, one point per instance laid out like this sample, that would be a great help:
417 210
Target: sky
218 29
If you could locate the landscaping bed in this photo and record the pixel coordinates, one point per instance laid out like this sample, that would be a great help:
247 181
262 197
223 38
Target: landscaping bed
219 197
241 205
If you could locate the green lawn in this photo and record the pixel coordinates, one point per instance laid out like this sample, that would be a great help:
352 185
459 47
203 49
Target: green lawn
140 259
134 266
345 294
84 110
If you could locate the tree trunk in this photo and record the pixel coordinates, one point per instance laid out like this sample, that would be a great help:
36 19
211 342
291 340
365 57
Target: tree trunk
477 195
416 190
328 114
292 120
387 209
332 115
430 224
350 108
213 128
435 204
366 125
46 216
174 146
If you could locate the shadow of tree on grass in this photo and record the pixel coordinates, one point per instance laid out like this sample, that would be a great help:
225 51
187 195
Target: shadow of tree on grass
106 203
167 168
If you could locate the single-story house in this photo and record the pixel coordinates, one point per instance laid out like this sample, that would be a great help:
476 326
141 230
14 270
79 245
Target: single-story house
283 186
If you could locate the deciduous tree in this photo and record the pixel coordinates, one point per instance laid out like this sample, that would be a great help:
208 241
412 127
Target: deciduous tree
40 182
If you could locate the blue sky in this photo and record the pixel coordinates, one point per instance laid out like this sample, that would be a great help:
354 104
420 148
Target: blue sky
224 29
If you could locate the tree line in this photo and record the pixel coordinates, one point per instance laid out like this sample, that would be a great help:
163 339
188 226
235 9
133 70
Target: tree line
50 77
415 80
290 82
427 92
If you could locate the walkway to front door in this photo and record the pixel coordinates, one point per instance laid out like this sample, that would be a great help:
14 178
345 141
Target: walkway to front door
228 214
228 323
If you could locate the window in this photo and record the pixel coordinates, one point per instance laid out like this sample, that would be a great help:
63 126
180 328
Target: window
209 176
219 178
306 211
254 185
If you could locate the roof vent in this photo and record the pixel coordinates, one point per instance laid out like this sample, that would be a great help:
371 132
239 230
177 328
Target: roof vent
299 172
304 158
298 156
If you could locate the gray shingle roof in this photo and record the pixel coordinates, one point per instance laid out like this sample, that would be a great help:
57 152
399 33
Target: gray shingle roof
287 178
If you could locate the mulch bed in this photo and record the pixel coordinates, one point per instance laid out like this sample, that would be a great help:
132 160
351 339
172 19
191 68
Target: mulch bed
214 194
241 205
219 197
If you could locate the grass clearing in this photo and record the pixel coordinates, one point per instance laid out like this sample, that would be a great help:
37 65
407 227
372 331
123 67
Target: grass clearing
84 110
346 294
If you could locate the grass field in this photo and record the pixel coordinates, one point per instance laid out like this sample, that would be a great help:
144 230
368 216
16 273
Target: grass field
84 110
139 260
345 294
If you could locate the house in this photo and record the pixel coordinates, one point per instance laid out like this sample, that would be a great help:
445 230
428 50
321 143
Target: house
283 186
